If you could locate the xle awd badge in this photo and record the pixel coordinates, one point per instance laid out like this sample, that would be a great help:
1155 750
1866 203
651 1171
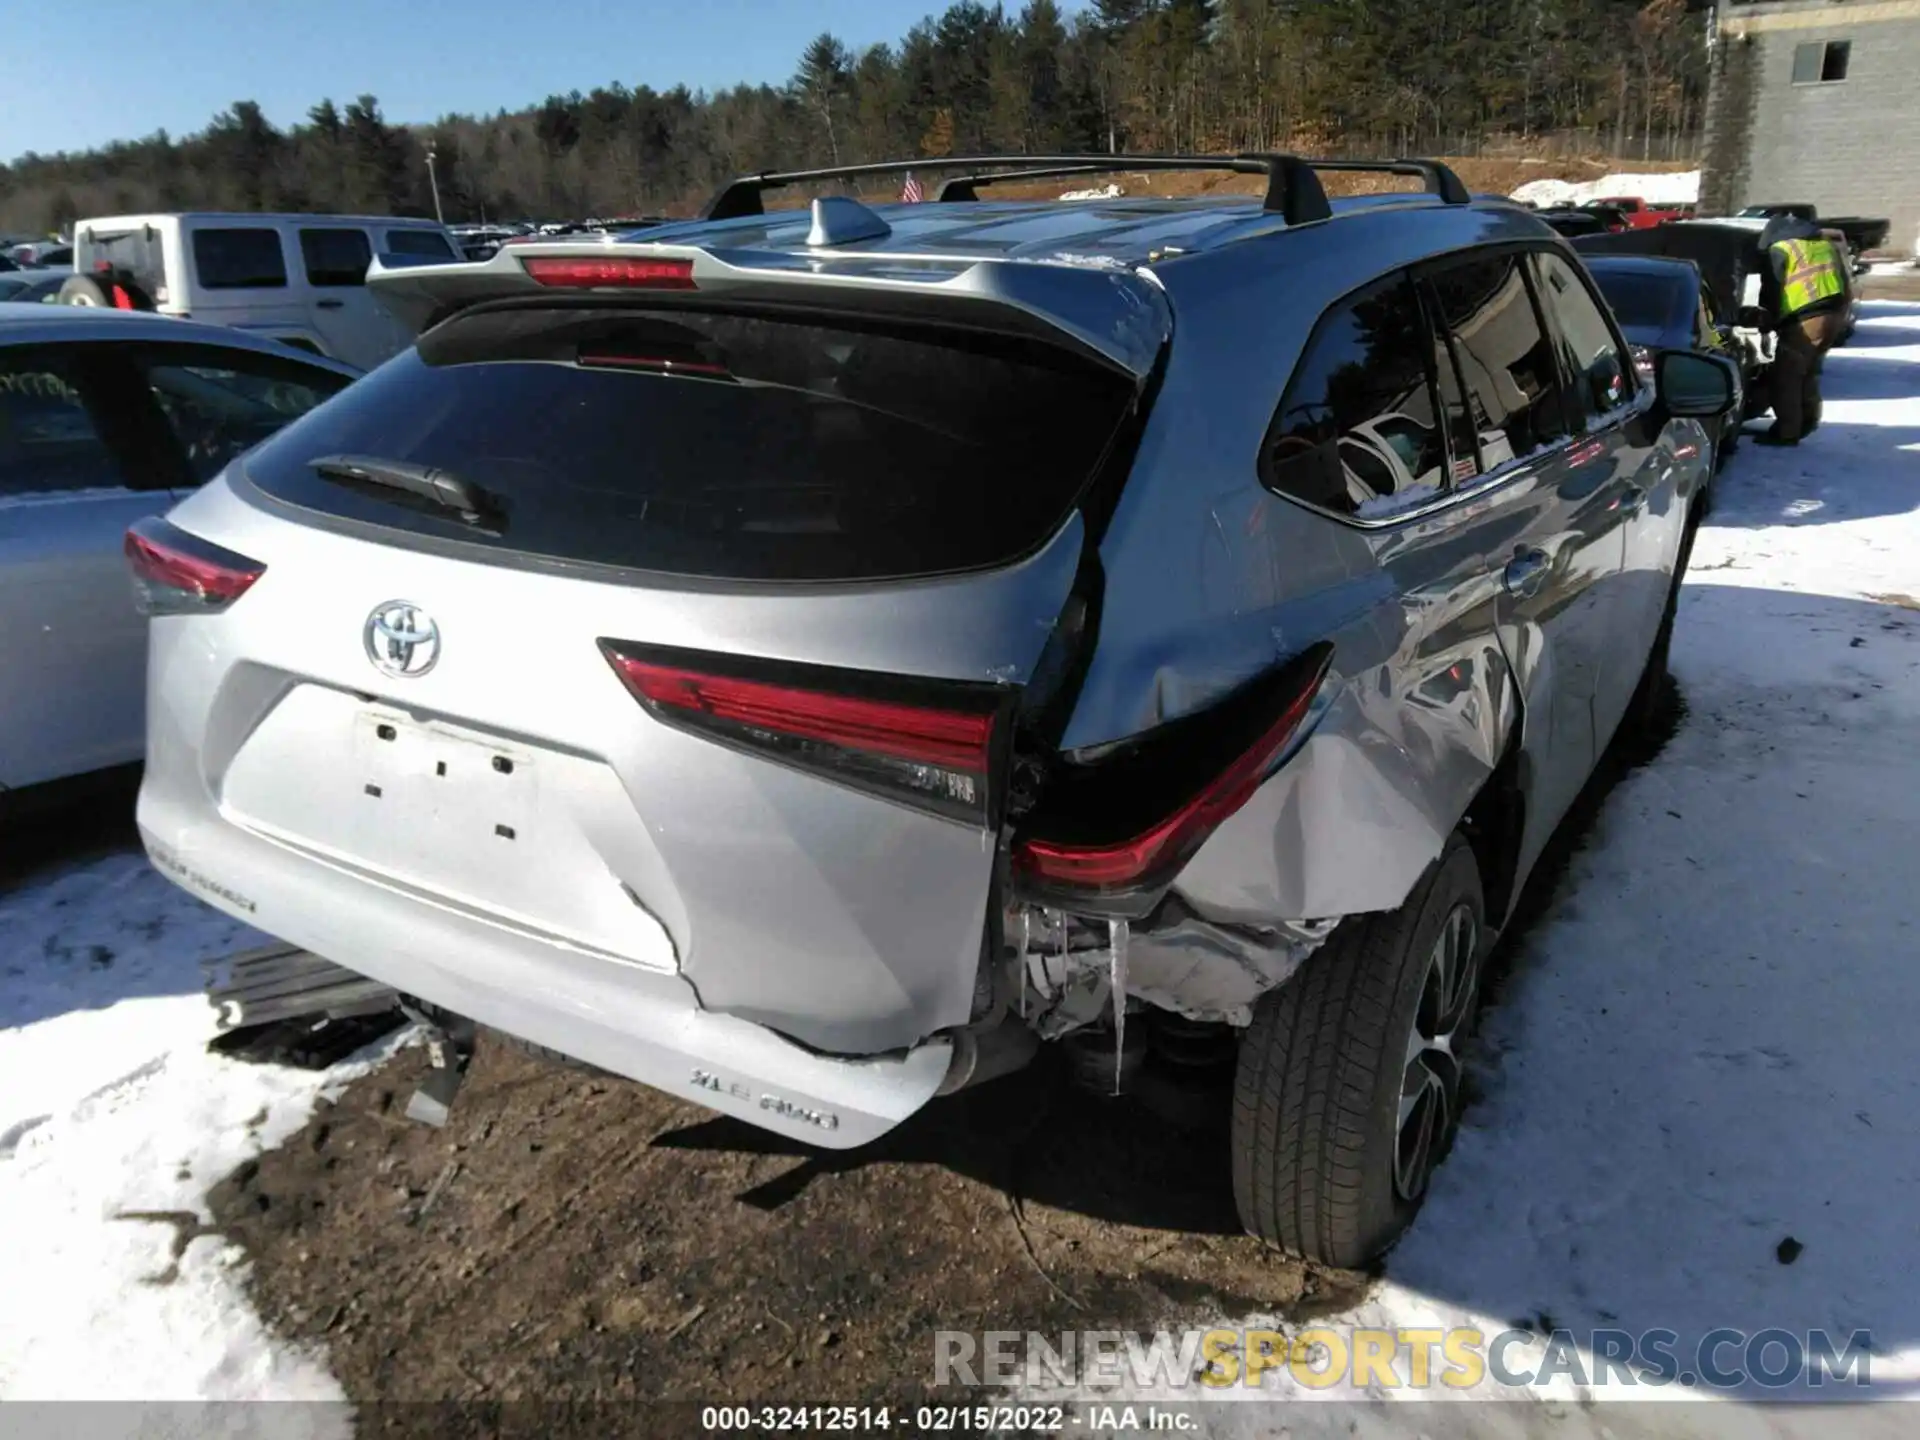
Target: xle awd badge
402 639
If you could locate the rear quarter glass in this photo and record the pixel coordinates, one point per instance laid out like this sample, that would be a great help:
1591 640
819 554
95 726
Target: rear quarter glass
716 445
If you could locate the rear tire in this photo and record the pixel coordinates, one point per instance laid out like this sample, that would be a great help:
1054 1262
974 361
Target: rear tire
84 290
96 292
1348 1086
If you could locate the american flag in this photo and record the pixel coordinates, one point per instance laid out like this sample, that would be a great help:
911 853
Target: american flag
911 192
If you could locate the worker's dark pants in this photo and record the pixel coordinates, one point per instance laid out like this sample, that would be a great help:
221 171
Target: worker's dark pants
1800 351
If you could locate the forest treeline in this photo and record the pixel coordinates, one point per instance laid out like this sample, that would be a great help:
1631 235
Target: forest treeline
1358 76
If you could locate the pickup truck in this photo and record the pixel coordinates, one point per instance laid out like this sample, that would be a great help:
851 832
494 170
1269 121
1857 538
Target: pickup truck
1638 214
1862 234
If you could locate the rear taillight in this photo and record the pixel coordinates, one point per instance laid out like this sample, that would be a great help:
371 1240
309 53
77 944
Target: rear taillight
925 744
609 272
175 573
1089 850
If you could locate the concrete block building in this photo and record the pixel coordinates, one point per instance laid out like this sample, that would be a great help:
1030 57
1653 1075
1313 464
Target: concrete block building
1816 100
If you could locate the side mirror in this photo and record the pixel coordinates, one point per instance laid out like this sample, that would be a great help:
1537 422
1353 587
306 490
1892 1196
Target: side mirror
1693 383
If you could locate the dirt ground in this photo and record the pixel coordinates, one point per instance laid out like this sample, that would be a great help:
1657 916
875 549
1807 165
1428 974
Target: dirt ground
1892 281
578 1238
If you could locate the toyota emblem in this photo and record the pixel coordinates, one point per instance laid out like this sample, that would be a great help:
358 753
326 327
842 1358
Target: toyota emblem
402 639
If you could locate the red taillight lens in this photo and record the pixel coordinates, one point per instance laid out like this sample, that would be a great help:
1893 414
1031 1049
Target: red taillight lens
175 573
619 272
1126 876
936 756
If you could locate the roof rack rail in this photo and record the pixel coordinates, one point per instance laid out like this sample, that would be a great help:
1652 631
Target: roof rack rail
1440 179
1292 188
1293 184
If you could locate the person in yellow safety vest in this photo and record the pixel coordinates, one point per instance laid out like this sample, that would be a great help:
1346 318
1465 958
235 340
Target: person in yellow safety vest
1803 292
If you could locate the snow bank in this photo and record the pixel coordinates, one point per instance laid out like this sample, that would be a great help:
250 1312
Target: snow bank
114 1122
1679 188
1104 192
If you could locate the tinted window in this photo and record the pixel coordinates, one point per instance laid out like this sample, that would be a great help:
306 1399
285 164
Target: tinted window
419 242
1641 301
1601 377
221 402
715 445
239 259
1506 363
48 441
335 257
1358 425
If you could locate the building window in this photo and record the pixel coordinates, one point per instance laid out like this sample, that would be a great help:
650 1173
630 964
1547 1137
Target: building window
1821 62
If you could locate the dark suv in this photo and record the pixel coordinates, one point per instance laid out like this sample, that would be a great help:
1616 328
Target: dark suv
806 660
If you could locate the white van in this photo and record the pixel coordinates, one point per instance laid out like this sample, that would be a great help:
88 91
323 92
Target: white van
301 279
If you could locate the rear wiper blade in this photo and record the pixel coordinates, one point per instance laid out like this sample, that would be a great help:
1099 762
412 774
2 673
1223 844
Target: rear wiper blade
473 503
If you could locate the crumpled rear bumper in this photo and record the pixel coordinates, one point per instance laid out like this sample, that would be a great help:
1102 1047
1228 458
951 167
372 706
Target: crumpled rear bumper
642 1023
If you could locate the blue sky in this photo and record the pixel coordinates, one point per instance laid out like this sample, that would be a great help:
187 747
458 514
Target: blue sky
76 76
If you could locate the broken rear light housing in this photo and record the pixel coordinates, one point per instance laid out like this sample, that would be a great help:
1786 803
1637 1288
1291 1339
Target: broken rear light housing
175 573
609 272
1111 832
928 744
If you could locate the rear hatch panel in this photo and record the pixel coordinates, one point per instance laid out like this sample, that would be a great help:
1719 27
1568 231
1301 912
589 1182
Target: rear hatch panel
513 777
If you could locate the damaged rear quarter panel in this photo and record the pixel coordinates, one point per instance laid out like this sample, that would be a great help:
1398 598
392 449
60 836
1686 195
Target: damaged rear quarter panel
1213 579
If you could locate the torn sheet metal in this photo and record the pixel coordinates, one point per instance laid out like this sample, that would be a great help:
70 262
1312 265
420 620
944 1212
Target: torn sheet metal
1075 972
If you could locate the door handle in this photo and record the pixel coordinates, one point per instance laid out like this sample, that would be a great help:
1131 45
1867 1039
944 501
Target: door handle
329 304
1526 573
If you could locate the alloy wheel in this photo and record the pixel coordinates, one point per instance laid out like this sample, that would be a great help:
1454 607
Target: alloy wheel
1430 1078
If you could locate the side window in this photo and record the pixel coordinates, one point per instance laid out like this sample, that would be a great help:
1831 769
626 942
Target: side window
1601 377
222 402
418 242
1357 431
239 259
48 440
1506 363
335 257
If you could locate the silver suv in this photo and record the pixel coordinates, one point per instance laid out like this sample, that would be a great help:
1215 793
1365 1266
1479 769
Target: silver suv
803 661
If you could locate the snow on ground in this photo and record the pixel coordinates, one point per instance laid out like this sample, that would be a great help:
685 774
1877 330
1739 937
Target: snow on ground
1707 1045
114 1121
1681 187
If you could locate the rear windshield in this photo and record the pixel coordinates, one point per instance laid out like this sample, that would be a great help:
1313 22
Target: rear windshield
1641 302
724 446
239 259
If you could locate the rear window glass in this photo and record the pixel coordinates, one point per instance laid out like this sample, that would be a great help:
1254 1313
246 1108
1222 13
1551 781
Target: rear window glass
717 445
1640 302
239 259
137 254
336 257
418 242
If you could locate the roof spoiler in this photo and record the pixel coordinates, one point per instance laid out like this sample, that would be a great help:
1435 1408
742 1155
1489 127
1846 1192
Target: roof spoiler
1294 190
1110 315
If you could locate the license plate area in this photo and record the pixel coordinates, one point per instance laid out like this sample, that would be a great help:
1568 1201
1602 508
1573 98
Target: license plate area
438 794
